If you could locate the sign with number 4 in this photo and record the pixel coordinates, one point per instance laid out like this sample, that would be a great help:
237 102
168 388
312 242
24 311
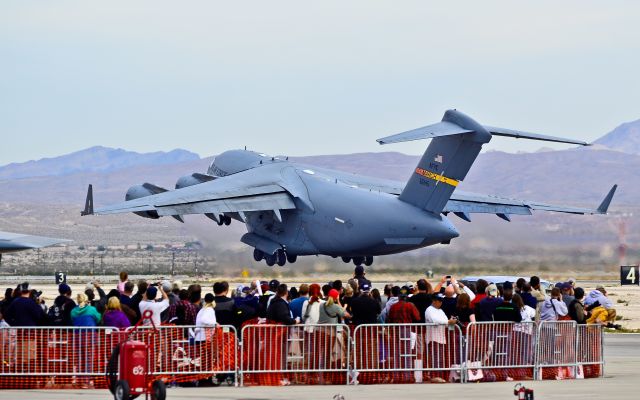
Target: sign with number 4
629 275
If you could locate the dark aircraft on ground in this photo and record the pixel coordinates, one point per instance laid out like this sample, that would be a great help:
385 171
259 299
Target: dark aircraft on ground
293 210
12 242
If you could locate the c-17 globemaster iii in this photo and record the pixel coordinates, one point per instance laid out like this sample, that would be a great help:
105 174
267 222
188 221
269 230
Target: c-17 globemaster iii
14 242
293 210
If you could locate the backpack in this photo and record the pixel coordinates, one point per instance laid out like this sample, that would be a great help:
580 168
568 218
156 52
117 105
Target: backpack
56 314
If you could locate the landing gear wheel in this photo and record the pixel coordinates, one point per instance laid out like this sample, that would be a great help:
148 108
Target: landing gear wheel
122 390
220 220
346 260
227 220
358 260
368 260
258 255
291 258
158 390
270 259
281 258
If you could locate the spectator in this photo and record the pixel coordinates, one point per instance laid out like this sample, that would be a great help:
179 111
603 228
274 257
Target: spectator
3 323
355 286
364 308
567 293
507 311
520 285
23 311
206 318
168 289
553 308
311 307
346 300
60 312
6 301
296 304
485 308
403 312
148 303
422 299
576 307
278 311
481 287
601 307
527 313
84 314
387 294
449 301
195 295
114 316
375 294
124 278
138 297
599 295
331 311
527 297
395 291
293 293
225 307
358 274
463 312
437 337
538 293
125 297
183 312
101 302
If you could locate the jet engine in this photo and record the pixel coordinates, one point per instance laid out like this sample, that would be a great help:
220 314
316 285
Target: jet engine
193 179
144 190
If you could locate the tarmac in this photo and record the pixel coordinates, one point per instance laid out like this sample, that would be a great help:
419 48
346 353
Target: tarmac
622 374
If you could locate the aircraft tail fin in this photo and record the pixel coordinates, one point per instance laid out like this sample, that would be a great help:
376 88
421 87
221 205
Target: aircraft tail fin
457 141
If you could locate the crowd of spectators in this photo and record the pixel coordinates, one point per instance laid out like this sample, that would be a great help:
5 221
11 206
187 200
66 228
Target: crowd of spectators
449 301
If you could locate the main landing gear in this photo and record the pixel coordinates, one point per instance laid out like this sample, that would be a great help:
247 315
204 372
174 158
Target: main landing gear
224 220
280 257
367 260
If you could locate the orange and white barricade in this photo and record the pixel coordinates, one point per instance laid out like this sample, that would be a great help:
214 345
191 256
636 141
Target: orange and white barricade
406 353
276 354
500 351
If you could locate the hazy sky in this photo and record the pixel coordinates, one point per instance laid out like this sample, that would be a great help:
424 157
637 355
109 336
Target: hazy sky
299 78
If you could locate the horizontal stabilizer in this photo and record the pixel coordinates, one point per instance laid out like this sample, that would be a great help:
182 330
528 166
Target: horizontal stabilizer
449 127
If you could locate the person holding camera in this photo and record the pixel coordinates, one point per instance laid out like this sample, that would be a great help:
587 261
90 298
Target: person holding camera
157 307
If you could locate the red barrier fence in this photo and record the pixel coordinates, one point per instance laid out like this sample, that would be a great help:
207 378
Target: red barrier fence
48 357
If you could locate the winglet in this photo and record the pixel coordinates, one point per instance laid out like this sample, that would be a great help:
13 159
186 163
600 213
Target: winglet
88 204
604 206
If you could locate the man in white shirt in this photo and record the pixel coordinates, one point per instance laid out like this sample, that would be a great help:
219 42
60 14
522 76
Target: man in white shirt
156 307
438 355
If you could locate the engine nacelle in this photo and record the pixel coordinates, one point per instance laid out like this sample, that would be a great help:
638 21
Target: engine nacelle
144 190
193 179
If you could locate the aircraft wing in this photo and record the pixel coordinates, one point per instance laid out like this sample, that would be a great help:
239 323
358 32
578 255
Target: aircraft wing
241 193
10 242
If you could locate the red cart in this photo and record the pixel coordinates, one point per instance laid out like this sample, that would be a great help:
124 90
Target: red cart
128 372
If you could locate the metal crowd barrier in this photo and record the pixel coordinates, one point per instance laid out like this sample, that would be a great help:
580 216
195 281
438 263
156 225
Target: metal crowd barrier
500 351
72 357
190 353
44 357
296 354
407 353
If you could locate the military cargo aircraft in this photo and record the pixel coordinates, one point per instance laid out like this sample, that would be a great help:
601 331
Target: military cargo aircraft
12 242
292 210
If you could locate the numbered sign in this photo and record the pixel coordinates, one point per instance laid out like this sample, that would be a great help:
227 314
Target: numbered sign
629 275
61 277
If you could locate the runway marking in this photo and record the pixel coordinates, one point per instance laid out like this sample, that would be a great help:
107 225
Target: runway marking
436 177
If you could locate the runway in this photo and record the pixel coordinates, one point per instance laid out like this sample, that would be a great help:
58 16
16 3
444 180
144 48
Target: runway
622 371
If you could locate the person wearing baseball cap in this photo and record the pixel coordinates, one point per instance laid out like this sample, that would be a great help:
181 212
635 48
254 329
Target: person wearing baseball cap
156 307
358 273
488 305
567 293
60 312
437 337
365 309
24 311
331 312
